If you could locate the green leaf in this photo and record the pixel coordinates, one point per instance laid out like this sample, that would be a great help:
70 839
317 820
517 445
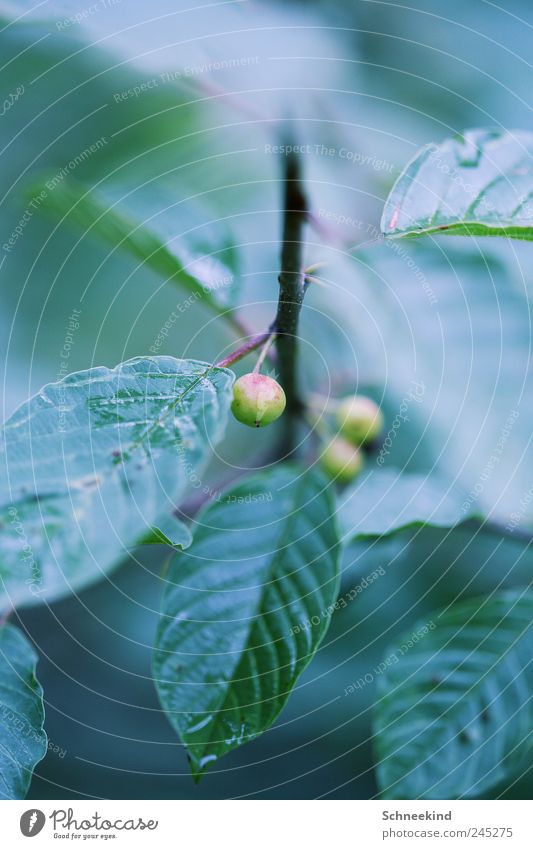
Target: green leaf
245 610
23 741
476 184
91 464
454 714
177 535
151 227
386 501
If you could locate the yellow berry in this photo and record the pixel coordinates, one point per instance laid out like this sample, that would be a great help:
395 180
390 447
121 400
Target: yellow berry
342 460
359 418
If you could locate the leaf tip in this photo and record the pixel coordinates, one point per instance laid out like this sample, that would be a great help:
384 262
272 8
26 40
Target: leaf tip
199 766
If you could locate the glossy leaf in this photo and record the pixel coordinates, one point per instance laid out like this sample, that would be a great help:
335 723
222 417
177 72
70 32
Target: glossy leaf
245 610
23 741
454 714
91 464
476 184
388 500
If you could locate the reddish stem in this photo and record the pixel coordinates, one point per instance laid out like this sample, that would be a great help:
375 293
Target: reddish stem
251 345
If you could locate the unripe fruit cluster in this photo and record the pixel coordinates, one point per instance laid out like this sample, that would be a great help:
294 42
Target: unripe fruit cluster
359 421
258 400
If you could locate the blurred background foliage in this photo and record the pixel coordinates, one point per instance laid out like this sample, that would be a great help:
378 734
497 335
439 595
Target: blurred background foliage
375 79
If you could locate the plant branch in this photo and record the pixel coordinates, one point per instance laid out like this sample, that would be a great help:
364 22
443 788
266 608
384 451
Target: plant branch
292 288
291 291
246 348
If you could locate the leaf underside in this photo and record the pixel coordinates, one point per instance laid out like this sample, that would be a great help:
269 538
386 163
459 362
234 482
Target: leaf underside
476 184
93 463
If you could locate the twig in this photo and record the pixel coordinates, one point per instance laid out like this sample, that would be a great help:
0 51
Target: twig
292 288
291 293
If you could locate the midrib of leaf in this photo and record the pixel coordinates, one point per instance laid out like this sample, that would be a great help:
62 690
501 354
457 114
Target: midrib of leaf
469 228
260 609
164 415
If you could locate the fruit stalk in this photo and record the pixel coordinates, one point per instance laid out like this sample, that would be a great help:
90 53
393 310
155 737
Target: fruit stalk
264 351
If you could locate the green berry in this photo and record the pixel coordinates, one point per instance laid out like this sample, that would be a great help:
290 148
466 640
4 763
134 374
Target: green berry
258 400
360 419
342 460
